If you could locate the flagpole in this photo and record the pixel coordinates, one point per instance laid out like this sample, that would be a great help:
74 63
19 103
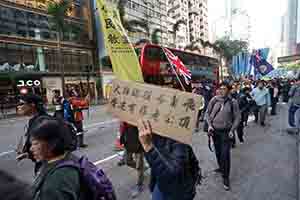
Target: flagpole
183 88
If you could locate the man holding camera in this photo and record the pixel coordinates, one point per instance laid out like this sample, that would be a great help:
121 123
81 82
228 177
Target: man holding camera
223 118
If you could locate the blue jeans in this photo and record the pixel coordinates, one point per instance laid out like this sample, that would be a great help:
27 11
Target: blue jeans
156 194
292 111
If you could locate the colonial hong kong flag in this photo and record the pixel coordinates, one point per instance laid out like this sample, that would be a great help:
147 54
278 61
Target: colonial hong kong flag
177 65
261 65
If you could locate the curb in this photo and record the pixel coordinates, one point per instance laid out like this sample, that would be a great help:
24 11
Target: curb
50 110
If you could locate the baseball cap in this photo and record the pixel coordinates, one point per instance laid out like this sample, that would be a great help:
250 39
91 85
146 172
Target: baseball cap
31 99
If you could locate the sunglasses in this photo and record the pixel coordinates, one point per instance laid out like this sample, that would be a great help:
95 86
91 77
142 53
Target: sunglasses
21 103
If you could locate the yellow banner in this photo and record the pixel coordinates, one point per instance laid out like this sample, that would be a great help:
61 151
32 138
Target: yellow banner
123 57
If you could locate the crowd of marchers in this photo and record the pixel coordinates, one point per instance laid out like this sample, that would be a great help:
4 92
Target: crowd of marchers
175 171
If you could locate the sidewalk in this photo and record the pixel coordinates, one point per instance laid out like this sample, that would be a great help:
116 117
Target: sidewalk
265 167
11 113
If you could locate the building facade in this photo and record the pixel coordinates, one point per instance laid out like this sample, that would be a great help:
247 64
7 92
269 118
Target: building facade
152 12
198 20
235 24
194 14
29 48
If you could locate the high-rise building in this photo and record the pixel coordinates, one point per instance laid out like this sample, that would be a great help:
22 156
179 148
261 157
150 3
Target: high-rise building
194 13
153 12
178 10
236 23
198 20
290 29
29 48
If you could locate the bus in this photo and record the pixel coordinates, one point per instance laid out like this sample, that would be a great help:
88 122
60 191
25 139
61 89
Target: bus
154 63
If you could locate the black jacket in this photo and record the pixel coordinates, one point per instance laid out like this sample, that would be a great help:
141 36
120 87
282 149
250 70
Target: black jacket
169 162
31 124
245 104
130 139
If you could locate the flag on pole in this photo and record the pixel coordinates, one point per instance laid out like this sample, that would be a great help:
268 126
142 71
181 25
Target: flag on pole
178 66
261 65
124 60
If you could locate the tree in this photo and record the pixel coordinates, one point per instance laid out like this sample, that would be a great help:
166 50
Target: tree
229 48
58 11
154 36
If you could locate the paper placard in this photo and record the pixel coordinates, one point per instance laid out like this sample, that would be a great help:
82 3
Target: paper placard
172 113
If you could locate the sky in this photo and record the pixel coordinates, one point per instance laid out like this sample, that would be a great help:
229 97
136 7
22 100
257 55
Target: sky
265 18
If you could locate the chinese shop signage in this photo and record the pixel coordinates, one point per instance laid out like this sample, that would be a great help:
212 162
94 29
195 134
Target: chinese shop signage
172 113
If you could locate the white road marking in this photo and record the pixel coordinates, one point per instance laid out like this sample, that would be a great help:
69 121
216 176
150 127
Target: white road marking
6 153
88 127
100 123
109 158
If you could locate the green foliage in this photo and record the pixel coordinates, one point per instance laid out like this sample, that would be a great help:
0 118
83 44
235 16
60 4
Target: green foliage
58 11
292 66
154 36
229 48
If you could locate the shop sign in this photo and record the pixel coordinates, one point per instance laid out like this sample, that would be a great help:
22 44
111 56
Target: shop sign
28 83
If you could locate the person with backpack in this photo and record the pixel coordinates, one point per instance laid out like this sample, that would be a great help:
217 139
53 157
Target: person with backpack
223 118
64 176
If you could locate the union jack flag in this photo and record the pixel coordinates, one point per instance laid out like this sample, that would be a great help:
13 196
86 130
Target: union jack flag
178 66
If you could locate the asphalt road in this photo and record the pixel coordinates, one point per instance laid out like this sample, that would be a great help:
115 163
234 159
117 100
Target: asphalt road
265 167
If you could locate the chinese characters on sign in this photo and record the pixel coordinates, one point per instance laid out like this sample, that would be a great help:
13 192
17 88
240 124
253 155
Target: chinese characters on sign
172 113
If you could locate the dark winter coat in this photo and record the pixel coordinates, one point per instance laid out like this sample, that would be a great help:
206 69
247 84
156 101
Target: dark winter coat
130 139
58 184
169 162
245 104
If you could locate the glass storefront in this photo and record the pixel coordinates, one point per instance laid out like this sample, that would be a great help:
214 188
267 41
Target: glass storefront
25 58
16 22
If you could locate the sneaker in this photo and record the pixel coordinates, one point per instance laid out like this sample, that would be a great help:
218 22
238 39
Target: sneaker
263 124
121 162
226 184
136 191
